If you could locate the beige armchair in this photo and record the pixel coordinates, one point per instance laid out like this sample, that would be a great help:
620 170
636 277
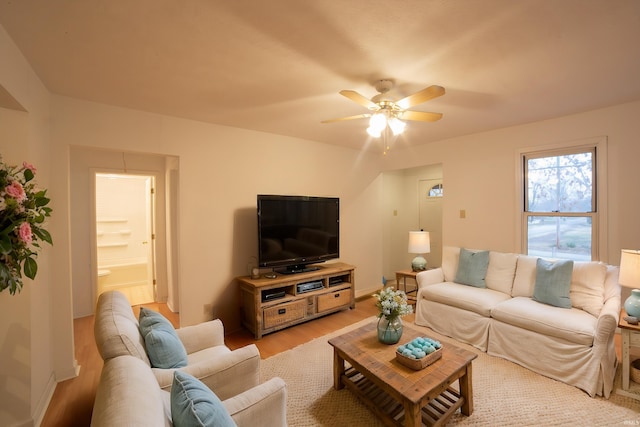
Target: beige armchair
227 373
128 395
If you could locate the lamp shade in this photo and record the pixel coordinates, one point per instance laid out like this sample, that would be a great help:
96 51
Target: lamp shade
419 242
630 268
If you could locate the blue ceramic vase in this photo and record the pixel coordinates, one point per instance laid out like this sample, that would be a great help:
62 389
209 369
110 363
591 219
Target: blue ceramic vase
389 330
632 304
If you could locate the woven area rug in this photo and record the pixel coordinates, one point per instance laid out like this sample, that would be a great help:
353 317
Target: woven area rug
504 393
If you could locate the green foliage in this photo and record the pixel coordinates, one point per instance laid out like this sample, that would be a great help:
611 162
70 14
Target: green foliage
23 210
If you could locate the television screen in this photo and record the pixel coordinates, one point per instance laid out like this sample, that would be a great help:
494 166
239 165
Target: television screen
294 231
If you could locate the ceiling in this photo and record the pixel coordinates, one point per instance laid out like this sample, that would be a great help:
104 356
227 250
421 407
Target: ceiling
277 66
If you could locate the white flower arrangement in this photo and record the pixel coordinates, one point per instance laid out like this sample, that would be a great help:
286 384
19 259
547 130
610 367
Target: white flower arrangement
23 209
392 304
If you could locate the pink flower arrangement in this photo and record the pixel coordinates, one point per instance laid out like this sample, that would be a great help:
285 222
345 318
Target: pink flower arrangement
23 210
15 190
24 233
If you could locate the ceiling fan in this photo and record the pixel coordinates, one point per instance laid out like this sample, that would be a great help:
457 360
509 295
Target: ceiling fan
385 111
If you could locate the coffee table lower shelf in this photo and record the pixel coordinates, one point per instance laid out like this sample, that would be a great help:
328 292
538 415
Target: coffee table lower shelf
390 411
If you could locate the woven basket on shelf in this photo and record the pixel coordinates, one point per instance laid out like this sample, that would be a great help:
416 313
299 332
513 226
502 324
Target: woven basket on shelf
635 371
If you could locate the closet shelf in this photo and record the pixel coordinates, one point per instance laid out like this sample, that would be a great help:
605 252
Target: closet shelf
118 232
103 220
113 245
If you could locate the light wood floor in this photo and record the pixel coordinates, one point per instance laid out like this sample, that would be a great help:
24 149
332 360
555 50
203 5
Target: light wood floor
72 401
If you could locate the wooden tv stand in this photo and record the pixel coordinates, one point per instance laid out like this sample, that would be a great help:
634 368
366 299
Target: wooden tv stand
269 305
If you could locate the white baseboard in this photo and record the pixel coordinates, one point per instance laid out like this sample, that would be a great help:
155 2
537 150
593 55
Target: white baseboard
366 292
43 403
68 374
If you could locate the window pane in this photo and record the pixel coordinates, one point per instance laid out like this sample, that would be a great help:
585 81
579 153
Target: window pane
560 183
560 237
436 191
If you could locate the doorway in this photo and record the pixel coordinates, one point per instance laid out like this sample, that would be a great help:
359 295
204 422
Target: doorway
125 235
408 208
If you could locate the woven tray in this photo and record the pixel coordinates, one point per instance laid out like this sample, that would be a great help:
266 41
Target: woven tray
417 364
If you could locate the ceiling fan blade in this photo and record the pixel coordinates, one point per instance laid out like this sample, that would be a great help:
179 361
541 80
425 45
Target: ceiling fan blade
359 116
420 97
360 99
420 116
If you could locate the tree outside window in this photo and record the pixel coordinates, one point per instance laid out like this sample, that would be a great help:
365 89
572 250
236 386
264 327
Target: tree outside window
560 204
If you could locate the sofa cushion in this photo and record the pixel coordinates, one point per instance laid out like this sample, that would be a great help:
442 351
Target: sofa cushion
193 404
164 348
553 279
587 286
450 256
573 325
212 353
472 268
501 271
525 278
470 298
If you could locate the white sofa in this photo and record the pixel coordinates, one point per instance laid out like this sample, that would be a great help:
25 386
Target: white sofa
129 395
573 345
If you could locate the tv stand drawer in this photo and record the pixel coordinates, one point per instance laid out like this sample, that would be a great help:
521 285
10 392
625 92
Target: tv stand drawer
284 313
333 300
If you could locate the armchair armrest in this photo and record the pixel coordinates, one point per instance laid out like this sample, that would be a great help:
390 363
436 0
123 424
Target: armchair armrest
603 342
201 336
610 313
263 405
430 277
226 375
607 321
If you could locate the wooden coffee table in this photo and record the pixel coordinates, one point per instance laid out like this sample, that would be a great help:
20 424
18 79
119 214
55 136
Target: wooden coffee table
395 393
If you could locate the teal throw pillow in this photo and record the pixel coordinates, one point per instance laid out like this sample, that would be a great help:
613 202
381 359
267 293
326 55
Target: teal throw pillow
164 348
194 404
553 281
472 268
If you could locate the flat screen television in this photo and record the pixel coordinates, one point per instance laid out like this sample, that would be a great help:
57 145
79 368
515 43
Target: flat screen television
295 231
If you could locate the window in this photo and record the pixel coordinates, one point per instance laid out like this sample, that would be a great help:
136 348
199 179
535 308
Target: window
560 216
436 191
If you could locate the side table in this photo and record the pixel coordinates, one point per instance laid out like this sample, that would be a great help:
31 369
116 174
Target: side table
401 278
630 338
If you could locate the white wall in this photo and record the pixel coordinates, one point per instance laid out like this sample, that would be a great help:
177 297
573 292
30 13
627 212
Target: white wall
479 173
28 321
222 170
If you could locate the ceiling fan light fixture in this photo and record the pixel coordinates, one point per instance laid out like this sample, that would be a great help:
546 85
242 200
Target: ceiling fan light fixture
378 121
397 126
388 116
374 132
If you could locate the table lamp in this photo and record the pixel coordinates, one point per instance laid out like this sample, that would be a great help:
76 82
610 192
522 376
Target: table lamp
419 244
630 278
